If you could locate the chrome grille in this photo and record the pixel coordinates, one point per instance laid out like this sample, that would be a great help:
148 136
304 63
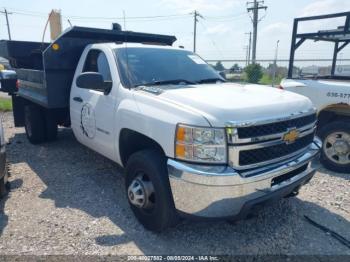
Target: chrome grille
273 128
259 143
253 156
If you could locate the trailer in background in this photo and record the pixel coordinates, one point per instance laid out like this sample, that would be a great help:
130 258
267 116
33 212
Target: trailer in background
330 93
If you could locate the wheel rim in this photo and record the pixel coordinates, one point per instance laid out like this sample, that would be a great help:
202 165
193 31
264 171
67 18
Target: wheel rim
337 148
141 192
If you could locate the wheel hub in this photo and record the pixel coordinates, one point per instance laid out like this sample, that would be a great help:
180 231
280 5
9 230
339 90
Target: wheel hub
337 147
140 192
341 147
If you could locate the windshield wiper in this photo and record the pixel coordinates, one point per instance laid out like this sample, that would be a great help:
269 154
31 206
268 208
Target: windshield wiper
166 82
210 80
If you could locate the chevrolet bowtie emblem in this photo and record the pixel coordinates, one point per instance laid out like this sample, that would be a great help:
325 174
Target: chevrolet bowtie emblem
290 136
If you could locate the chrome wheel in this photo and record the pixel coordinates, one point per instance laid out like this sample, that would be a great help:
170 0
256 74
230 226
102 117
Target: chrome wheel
141 192
337 147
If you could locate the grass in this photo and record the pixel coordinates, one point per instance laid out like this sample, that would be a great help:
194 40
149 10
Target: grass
5 104
267 80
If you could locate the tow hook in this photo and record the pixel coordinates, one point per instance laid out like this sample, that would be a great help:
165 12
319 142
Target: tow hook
294 193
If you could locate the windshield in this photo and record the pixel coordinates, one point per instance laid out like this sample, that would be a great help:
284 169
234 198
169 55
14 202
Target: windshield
157 66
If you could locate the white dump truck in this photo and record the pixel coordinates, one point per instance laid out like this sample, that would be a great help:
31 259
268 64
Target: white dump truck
328 90
191 144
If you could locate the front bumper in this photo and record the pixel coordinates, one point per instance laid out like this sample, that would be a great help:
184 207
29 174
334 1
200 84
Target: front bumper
222 192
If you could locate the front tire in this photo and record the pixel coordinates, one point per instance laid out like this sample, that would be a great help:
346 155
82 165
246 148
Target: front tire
335 154
148 190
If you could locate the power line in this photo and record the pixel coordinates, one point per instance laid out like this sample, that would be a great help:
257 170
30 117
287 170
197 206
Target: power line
155 17
40 14
255 7
7 21
211 40
226 17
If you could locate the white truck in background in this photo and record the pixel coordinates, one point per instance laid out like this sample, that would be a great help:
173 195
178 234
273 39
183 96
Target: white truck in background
191 144
330 93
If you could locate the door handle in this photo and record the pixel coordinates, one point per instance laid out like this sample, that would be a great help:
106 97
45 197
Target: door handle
78 99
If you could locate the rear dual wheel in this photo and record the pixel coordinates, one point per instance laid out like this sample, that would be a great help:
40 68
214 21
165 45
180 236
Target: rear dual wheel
3 186
39 124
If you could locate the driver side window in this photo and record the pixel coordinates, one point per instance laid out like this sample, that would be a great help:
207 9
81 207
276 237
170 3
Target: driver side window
96 61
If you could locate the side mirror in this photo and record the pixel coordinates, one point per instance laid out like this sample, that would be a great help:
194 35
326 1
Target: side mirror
94 81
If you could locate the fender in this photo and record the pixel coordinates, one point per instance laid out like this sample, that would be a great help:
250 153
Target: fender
155 118
341 109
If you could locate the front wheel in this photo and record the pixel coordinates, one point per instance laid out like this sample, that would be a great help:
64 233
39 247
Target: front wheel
148 190
336 146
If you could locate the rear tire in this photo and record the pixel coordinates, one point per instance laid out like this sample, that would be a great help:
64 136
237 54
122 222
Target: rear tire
335 153
4 184
147 175
34 123
3 188
51 126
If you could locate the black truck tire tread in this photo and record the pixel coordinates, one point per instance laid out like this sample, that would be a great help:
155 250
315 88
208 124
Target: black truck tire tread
153 164
35 124
51 126
3 187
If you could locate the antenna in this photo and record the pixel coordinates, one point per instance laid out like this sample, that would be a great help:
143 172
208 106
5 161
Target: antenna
69 23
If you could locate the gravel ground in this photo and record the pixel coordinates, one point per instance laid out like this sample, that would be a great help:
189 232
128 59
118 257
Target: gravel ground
66 199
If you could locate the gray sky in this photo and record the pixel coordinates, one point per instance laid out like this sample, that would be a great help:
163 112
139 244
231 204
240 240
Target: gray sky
221 34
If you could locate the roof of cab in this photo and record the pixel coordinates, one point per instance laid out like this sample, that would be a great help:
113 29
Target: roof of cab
135 45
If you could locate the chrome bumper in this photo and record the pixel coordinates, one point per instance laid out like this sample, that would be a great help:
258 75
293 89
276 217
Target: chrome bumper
221 191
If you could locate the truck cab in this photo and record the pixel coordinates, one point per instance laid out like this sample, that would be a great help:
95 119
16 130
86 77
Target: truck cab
191 144
329 90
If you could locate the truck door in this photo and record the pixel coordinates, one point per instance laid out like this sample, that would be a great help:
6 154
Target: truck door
92 111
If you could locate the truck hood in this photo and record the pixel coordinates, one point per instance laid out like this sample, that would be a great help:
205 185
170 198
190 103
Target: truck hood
221 103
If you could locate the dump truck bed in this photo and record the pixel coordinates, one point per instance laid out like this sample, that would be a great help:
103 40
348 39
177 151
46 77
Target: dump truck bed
45 70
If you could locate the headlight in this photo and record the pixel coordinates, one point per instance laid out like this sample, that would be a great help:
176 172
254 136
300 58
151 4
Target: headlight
200 144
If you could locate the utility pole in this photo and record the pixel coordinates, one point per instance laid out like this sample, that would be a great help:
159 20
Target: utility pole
7 21
246 48
55 24
249 45
254 8
195 15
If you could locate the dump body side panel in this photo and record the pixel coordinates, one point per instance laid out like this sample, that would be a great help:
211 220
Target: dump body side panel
53 65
